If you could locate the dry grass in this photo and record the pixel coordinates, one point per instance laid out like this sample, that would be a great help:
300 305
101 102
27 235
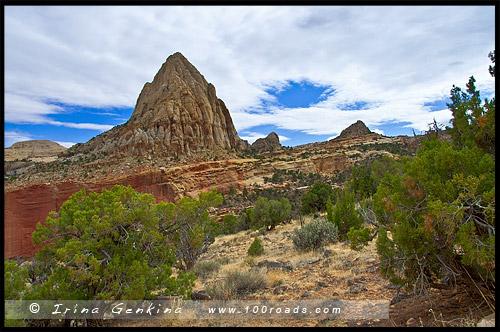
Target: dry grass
277 277
237 284
321 274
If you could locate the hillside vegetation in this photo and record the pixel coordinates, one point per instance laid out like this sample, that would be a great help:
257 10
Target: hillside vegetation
416 230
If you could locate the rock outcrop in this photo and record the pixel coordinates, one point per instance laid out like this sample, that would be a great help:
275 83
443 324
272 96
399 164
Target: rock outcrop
177 114
26 206
179 141
356 129
33 150
270 143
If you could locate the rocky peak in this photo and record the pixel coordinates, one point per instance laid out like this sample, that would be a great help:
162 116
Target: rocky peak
177 114
267 144
356 129
33 149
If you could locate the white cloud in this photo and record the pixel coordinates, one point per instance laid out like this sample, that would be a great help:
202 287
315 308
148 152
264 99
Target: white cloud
395 59
283 138
92 126
251 136
21 109
66 144
11 137
27 109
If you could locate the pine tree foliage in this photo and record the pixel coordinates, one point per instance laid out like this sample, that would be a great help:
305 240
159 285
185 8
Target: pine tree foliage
473 122
256 248
315 199
193 229
119 244
437 218
344 214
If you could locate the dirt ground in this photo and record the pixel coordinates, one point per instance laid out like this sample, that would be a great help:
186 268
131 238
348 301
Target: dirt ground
332 272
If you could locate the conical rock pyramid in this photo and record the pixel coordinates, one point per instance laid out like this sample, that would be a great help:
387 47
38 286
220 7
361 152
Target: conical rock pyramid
177 114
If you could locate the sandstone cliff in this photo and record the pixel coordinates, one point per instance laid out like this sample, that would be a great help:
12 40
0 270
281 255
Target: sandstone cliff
356 129
177 114
26 206
180 140
270 143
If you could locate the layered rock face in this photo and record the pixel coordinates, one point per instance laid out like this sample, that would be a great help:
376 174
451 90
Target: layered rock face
356 129
269 143
177 114
26 206
33 149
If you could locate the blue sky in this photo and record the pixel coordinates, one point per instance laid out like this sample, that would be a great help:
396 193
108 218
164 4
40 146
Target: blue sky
304 72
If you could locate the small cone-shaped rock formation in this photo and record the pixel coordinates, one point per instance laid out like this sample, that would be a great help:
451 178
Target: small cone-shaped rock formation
356 129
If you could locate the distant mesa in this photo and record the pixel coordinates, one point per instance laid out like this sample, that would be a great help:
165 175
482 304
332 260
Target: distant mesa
177 114
269 143
33 149
356 129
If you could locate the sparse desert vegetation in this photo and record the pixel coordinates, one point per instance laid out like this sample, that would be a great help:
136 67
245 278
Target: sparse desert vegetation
353 219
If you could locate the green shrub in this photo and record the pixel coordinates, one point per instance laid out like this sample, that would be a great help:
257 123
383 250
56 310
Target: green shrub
344 214
256 248
229 224
359 237
269 213
15 278
113 244
315 235
245 220
361 182
440 214
237 284
205 269
315 199
440 211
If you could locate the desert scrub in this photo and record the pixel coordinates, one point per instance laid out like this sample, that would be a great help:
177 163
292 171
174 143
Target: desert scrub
237 284
205 269
256 248
315 235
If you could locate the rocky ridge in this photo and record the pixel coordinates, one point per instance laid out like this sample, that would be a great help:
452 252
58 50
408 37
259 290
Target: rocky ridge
179 141
356 129
30 197
270 143
34 150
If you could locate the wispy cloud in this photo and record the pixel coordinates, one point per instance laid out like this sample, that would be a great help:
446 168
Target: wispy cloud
21 109
392 59
12 137
27 109
93 126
